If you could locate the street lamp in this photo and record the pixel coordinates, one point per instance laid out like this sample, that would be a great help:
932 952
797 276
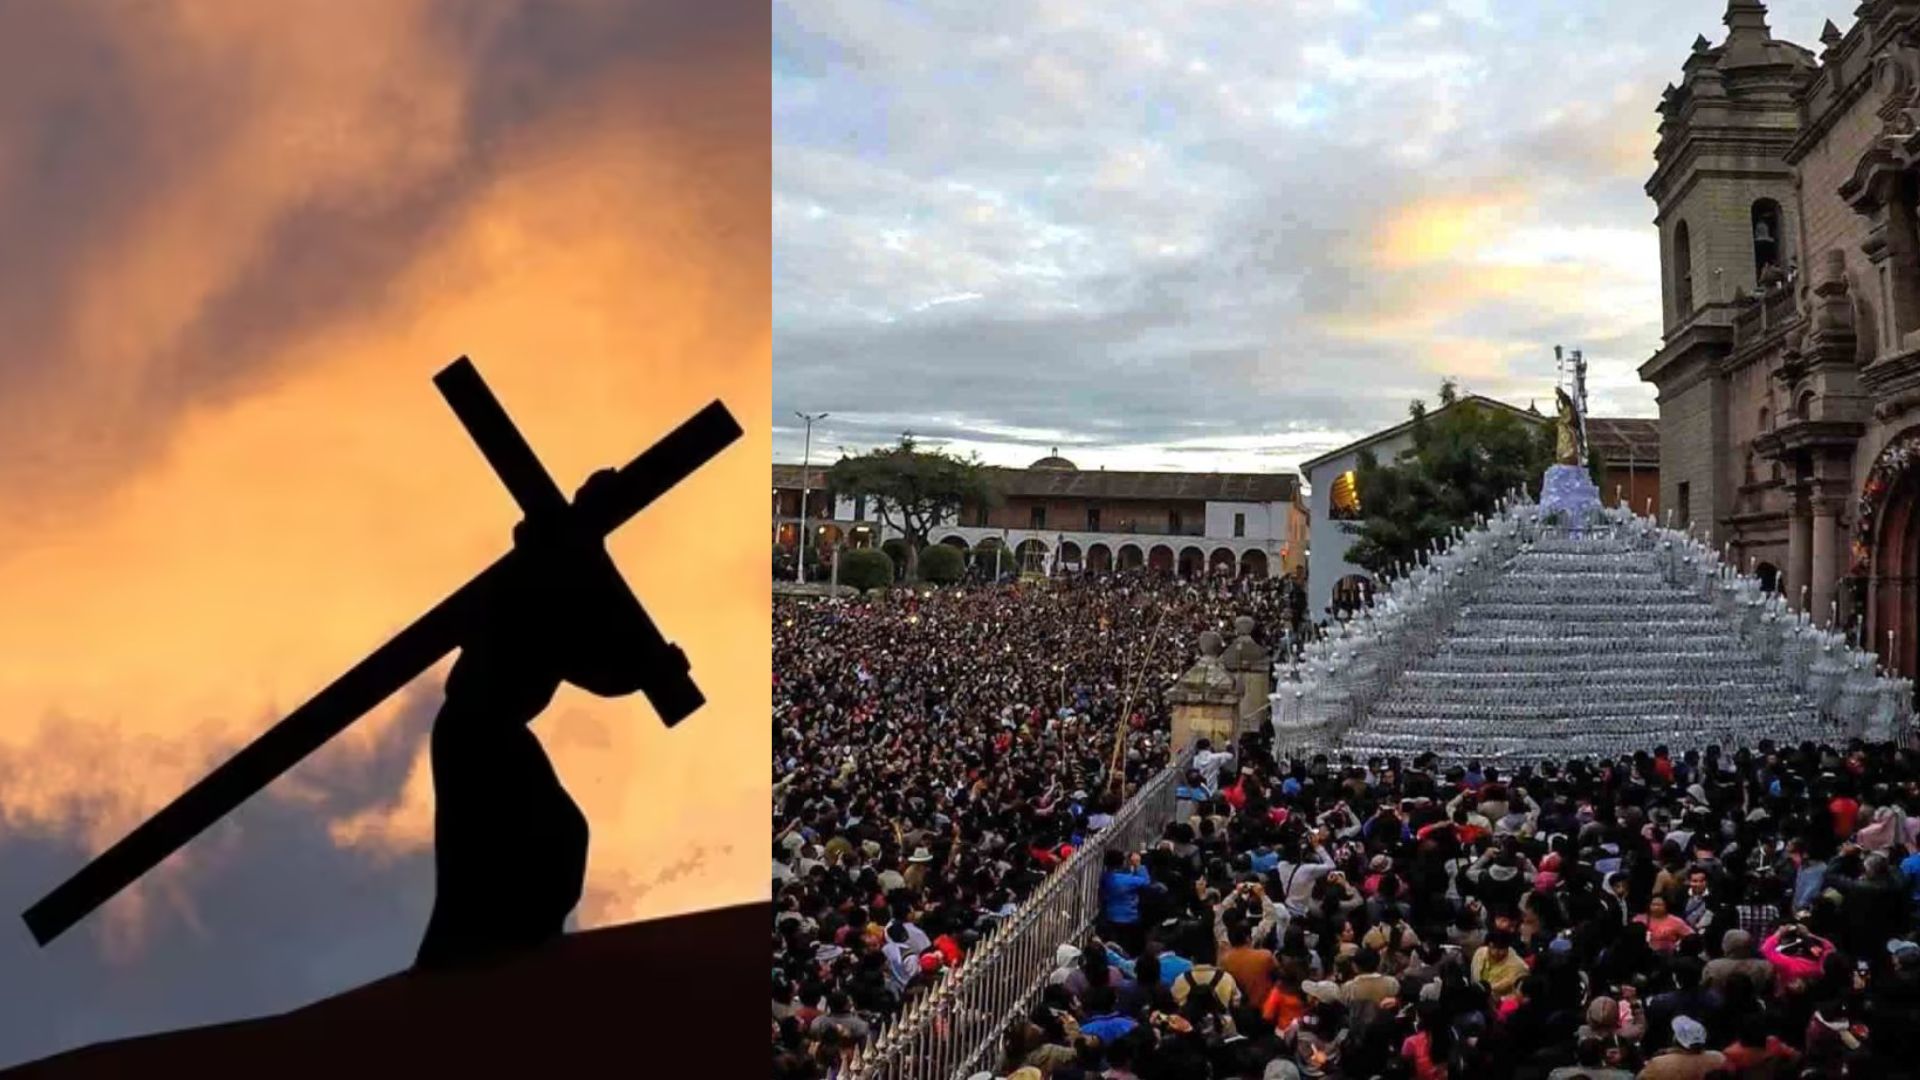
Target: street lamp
806 459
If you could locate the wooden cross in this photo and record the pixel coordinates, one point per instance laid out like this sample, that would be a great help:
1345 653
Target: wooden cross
668 684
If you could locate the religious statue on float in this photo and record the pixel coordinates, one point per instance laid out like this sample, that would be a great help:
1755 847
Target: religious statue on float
1567 492
1570 446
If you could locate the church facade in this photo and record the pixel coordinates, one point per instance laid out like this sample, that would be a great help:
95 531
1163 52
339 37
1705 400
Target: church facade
1789 375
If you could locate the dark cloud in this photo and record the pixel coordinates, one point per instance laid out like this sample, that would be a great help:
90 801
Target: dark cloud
88 133
96 129
280 915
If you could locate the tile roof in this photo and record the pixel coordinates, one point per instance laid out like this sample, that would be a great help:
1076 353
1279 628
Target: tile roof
1106 484
1624 439
1109 484
788 476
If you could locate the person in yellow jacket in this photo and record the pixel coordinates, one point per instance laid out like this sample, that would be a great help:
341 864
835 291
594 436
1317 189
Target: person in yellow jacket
1496 965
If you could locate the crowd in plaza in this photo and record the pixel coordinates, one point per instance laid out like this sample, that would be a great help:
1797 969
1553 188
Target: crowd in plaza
1744 912
936 753
1748 914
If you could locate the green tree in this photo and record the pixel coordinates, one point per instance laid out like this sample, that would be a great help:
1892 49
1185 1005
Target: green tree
896 550
942 564
1465 456
911 490
865 568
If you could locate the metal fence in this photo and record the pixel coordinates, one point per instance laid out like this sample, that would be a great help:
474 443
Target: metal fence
956 1028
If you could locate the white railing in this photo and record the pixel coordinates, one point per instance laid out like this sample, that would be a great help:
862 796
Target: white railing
956 1028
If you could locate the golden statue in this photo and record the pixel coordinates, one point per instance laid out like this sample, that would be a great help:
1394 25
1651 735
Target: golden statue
1570 446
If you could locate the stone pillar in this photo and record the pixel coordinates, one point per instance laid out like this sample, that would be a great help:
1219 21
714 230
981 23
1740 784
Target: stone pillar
1799 550
1206 704
1826 556
1252 671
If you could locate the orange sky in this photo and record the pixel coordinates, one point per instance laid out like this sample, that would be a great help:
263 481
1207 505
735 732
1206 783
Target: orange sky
224 413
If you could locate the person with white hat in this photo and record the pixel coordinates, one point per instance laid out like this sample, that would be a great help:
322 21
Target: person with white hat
1066 961
1689 1059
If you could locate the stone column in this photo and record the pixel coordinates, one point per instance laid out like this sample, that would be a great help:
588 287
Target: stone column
1826 556
1799 550
1206 704
1252 671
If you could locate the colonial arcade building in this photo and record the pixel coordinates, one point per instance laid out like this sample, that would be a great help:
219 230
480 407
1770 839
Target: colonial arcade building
1054 517
1789 377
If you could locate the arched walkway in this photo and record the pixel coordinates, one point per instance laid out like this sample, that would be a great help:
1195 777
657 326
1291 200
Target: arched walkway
1222 563
1099 559
1070 557
1160 559
1032 557
1192 562
1253 563
1131 557
959 542
985 554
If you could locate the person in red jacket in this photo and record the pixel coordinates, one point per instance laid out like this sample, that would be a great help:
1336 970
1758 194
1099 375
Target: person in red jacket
1846 814
1236 795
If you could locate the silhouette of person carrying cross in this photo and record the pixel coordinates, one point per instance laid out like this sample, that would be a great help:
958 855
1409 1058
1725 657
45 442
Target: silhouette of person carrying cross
510 846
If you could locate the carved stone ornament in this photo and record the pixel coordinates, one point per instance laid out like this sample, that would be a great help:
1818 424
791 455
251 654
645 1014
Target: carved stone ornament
1896 406
1899 456
1893 78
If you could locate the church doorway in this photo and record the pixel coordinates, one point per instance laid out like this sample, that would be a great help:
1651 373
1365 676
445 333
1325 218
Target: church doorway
1892 576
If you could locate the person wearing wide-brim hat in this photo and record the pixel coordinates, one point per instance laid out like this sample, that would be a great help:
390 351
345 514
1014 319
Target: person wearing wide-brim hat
918 866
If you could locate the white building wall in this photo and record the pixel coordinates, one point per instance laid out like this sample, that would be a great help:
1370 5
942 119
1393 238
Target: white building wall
1327 552
1265 520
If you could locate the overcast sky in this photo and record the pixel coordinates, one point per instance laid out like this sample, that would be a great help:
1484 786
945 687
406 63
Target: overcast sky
236 241
1222 235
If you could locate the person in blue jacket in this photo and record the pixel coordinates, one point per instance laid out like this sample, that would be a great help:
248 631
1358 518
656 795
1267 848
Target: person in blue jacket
1104 1020
1120 885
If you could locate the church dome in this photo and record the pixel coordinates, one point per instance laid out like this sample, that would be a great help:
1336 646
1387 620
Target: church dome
1055 461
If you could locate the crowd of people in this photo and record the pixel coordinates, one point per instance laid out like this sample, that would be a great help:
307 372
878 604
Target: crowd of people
936 753
1742 914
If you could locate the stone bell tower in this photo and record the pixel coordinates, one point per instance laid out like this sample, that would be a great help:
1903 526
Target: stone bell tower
1729 225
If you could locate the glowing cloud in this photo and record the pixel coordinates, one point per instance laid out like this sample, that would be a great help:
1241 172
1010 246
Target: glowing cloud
230 475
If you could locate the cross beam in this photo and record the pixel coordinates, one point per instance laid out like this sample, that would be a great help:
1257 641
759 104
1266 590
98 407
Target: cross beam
421 645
